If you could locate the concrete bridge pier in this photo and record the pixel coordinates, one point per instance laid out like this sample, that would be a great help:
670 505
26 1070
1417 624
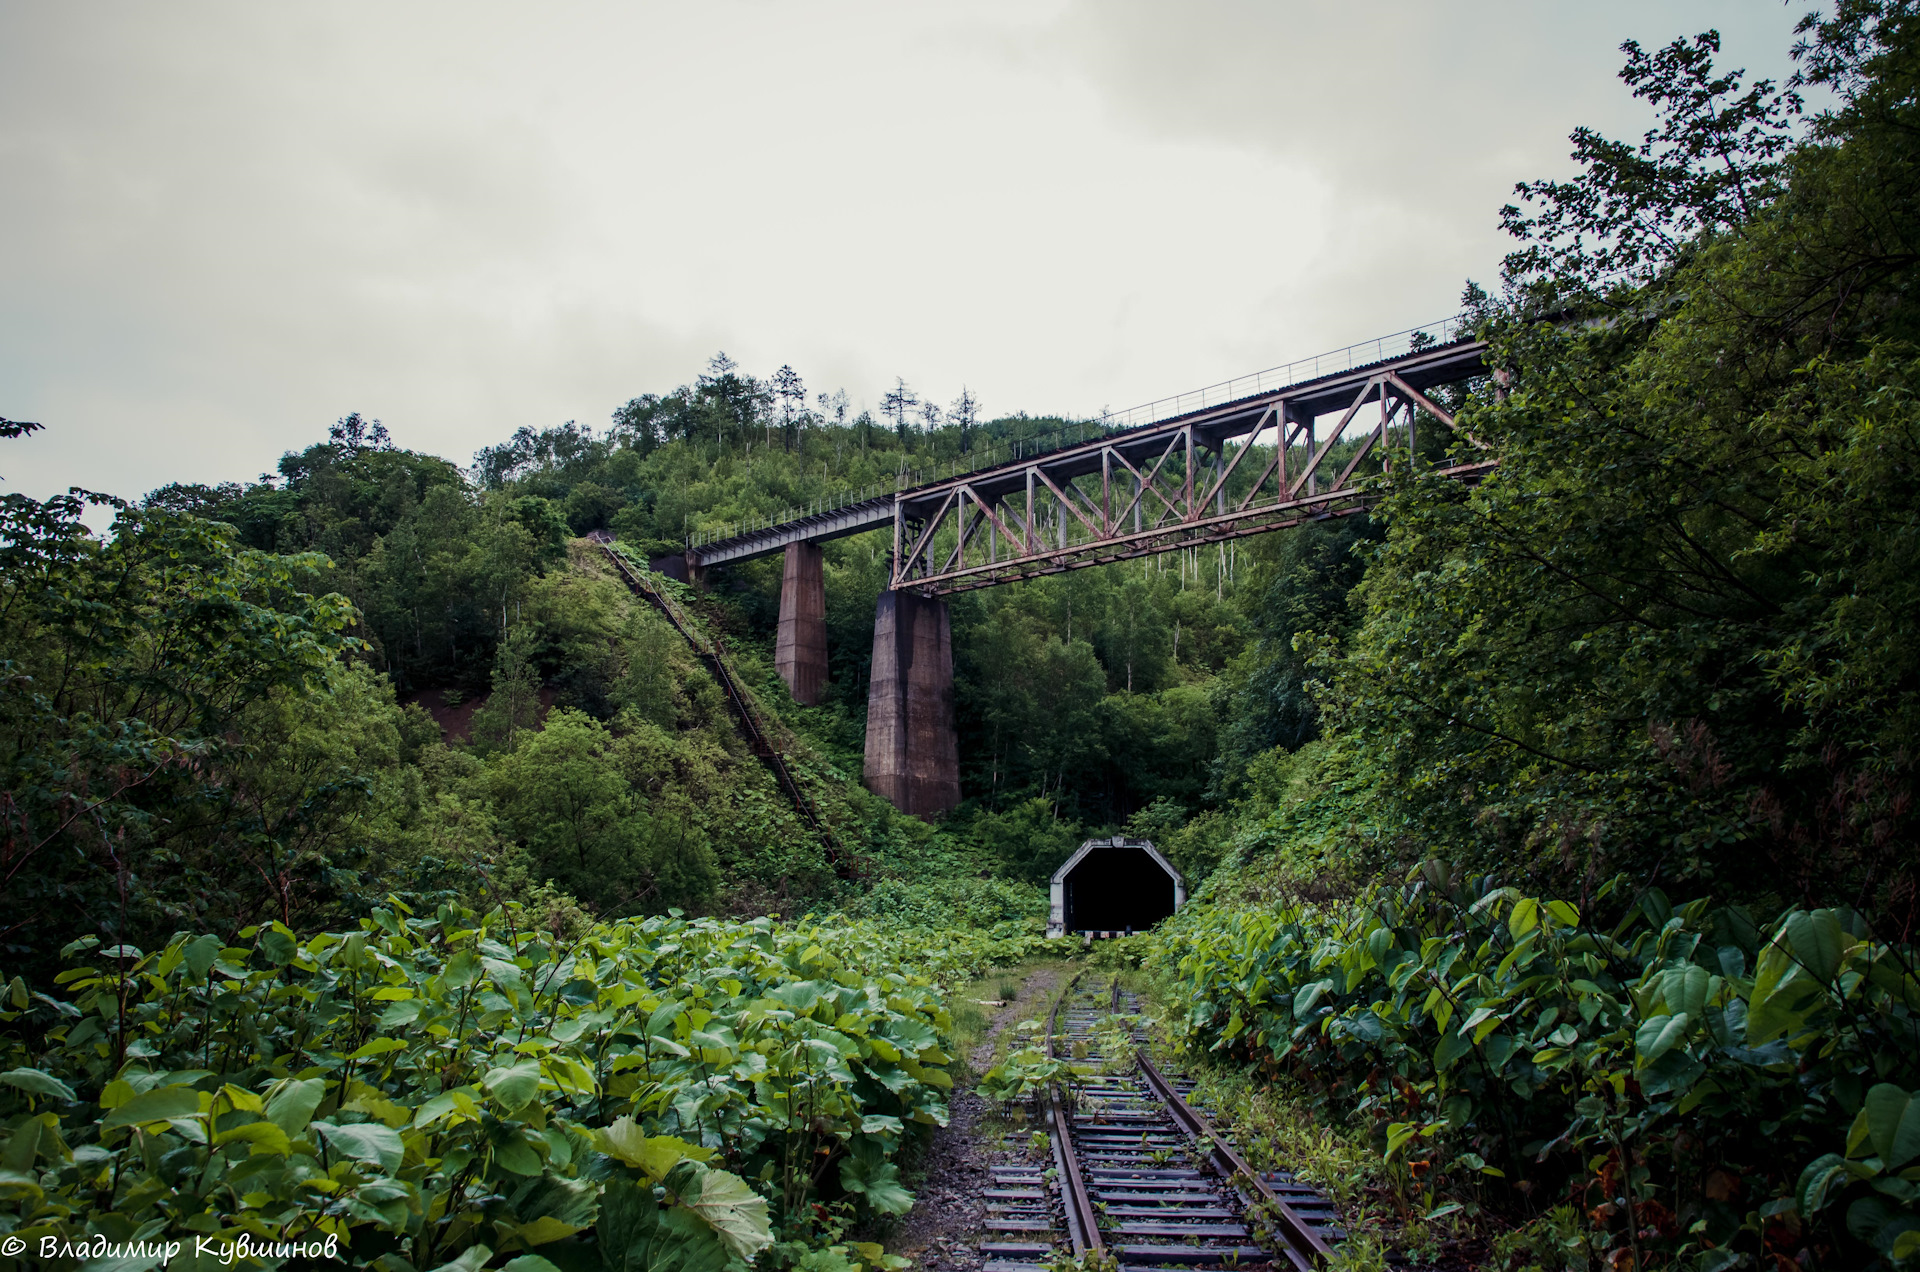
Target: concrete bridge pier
913 751
800 647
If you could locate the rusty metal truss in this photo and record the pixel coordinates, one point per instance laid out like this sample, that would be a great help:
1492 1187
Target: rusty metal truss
1304 452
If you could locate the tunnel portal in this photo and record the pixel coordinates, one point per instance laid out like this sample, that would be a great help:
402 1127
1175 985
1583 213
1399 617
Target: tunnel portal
1114 885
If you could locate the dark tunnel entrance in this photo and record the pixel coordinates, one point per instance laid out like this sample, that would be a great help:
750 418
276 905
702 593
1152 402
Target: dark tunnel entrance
1114 885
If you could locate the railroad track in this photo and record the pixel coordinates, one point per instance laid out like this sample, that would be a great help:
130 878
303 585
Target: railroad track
1140 1179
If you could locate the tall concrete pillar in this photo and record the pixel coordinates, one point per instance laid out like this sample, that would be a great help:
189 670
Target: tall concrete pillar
913 752
800 649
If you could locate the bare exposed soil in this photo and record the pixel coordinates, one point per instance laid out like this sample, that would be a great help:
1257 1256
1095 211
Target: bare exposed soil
941 1231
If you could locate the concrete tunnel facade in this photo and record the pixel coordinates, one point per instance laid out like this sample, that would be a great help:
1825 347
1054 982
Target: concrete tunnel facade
1114 885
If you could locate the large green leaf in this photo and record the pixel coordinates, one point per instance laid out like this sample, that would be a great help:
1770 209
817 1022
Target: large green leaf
514 1086
636 1235
654 1154
801 996
1687 989
878 1182
369 1142
472 1260
463 969
1820 1181
728 1205
1818 942
1782 997
1307 996
575 1202
37 1082
161 1104
1881 1222
290 1104
201 954
1659 1035
530 1263
1893 1123
514 1148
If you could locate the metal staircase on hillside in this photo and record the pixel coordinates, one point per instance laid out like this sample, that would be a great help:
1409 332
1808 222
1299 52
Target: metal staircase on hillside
759 739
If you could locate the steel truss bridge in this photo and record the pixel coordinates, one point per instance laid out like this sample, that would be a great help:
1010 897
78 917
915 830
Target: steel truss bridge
1300 450
1299 443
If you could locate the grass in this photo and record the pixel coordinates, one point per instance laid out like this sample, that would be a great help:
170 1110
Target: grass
971 1021
969 1026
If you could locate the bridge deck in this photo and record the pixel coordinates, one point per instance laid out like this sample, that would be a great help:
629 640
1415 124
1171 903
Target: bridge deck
1308 398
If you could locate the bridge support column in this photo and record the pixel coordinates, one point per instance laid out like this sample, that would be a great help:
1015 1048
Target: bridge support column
800 649
913 752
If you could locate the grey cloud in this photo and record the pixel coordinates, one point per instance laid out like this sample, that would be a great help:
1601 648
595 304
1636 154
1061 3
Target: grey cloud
226 224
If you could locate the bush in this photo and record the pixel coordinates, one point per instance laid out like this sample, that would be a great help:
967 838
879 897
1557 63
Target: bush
950 903
1705 1088
666 1092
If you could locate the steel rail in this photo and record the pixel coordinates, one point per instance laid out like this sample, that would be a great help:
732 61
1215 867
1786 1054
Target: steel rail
1306 1248
1083 1221
1142 1178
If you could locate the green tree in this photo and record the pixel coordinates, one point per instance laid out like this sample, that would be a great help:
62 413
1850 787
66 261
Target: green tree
513 705
562 794
1673 633
133 664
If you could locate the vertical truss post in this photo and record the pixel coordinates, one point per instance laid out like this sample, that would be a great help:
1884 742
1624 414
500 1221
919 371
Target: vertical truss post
1313 447
1192 512
1033 539
1106 492
1281 438
899 535
1386 452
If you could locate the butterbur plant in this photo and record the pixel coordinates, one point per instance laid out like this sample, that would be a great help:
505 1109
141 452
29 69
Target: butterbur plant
1704 1089
461 1090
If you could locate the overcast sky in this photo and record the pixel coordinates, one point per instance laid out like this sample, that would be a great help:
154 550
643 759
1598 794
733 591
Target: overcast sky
226 225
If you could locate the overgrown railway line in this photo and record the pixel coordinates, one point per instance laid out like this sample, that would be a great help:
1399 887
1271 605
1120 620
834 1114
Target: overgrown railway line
1140 1178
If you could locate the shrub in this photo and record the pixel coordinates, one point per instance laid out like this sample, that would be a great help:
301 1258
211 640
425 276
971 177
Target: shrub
1703 1087
665 1092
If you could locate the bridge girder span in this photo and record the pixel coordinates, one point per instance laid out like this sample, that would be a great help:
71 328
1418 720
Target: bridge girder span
1201 481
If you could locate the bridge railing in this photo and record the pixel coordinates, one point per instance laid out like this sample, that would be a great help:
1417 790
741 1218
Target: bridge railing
1332 362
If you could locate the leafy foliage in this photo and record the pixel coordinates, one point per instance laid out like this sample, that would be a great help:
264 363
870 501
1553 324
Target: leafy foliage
133 665
669 1094
1672 633
1698 1084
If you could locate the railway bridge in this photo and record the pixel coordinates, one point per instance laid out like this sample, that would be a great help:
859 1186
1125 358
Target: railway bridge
1253 455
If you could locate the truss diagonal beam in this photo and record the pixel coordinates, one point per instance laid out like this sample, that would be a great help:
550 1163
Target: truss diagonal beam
932 524
1068 504
1220 482
1313 465
1143 484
